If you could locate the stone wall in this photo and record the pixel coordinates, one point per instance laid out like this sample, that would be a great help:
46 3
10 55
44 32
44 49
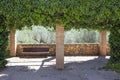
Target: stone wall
69 49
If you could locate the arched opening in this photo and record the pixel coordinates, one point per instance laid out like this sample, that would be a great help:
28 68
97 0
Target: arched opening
60 44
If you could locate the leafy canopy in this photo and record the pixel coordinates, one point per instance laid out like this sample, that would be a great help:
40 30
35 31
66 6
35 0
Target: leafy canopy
95 14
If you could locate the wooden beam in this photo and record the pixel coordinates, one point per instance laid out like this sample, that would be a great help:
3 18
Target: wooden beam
103 43
59 46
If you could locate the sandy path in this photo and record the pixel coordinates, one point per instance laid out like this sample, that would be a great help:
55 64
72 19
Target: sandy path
76 68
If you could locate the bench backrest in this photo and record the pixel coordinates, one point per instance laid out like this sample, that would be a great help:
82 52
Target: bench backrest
37 49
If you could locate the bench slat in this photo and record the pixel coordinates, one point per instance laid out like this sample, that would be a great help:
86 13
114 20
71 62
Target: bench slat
35 49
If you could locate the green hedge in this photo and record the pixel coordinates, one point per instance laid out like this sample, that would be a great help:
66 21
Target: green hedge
114 40
4 33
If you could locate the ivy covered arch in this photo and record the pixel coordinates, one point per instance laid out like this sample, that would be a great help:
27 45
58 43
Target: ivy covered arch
90 14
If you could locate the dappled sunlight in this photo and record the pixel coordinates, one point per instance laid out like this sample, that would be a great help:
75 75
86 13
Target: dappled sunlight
16 61
3 75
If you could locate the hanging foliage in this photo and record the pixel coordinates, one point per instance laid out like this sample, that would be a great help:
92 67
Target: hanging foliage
95 14
90 14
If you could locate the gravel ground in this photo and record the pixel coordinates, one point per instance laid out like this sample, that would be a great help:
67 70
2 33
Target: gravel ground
76 68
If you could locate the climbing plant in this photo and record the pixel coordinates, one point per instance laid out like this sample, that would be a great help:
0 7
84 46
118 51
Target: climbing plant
4 32
90 14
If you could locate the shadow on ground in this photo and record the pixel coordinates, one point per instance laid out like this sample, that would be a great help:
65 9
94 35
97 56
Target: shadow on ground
78 70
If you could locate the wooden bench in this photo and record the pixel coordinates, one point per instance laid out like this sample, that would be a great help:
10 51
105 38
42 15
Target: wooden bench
34 50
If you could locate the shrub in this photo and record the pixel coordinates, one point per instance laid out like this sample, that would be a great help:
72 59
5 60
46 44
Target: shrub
4 33
114 40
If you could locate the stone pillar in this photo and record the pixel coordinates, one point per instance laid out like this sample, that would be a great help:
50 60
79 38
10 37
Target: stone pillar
12 43
103 43
59 47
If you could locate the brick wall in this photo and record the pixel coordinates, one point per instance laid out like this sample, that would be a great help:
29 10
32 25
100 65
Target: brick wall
69 49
